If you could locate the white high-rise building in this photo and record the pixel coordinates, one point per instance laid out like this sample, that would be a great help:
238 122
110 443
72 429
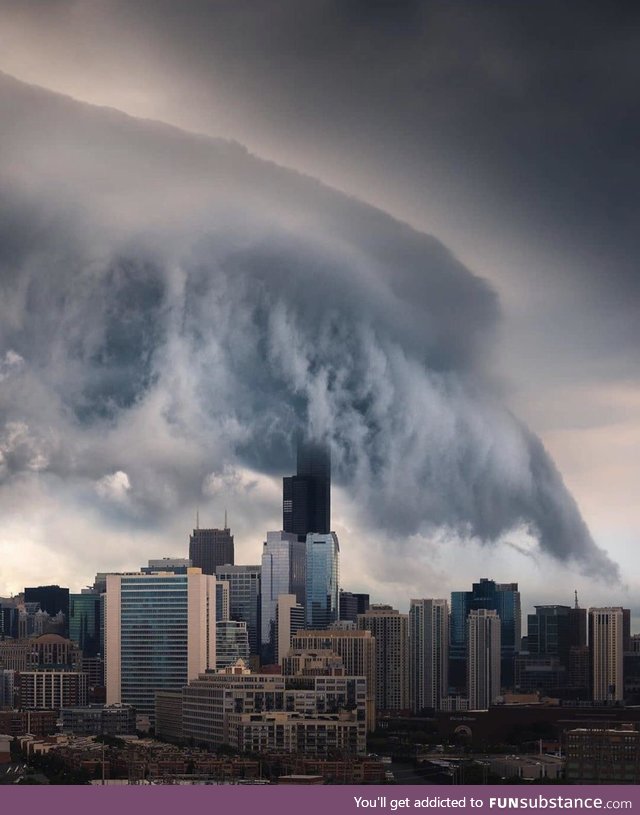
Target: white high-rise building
160 633
428 653
289 620
606 646
483 658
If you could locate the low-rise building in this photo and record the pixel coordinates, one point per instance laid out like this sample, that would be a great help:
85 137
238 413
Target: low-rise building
240 707
94 720
603 755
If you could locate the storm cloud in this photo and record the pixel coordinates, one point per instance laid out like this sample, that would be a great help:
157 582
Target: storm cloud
173 309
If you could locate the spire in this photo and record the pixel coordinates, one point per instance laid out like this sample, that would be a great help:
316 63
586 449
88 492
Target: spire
225 518
576 598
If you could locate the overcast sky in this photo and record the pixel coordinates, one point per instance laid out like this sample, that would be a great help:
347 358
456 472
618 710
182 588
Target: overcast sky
172 308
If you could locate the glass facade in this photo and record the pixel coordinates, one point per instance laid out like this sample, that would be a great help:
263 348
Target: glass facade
283 572
322 579
244 598
504 599
84 622
232 643
153 638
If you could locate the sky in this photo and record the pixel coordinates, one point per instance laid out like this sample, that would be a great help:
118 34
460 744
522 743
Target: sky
413 232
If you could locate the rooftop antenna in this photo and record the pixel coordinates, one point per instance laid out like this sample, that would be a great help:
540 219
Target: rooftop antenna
576 598
225 518
198 518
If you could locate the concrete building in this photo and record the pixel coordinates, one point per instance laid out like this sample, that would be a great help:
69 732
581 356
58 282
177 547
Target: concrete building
483 658
356 649
290 617
52 690
169 715
606 643
7 688
175 565
160 633
428 653
603 755
97 720
390 630
312 663
48 651
270 713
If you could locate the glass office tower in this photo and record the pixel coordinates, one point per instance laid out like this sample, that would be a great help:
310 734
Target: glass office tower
504 599
244 598
322 579
84 622
283 572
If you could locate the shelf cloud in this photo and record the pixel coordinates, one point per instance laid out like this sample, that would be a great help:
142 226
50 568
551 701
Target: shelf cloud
174 309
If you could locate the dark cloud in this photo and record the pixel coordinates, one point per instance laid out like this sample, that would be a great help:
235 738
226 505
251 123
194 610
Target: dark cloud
180 308
504 119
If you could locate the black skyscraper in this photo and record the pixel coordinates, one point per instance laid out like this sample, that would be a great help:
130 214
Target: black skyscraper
306 504
210 548
52 599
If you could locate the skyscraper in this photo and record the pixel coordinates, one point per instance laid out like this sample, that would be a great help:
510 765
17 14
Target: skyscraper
504 599
306 496
428 653
283 572
606 640
159 634
244 598
84 622
483 658
390 629
322 579
232 642
351 604
289 620
210 548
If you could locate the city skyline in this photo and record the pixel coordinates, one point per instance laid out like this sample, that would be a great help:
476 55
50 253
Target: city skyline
460 325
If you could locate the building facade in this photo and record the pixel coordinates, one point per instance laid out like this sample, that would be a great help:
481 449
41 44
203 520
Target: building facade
483 658
356 649
504 599
270 713
283 572
232 642
322 580
159 632
289 620
84 622
244 598
210 548
52 690
606 638
428 653
306 496
390 629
